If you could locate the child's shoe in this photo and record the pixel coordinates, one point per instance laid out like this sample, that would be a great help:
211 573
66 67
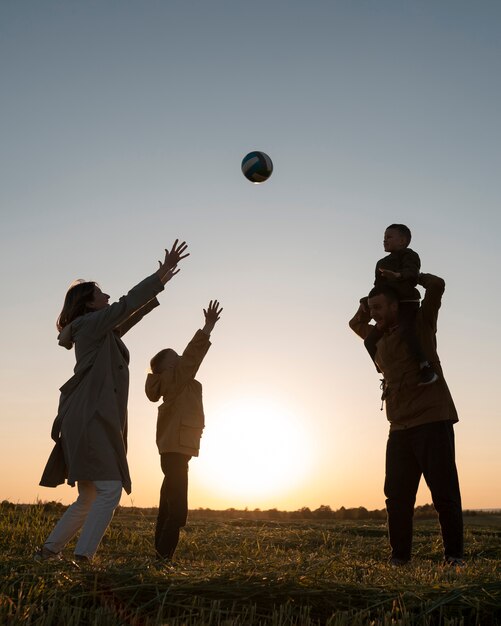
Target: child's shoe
427 375
452 561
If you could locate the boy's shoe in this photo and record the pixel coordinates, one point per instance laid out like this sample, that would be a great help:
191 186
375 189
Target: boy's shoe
163 565
427 375
44 554
453 561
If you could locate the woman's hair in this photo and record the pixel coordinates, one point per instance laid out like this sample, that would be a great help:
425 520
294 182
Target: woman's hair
76 303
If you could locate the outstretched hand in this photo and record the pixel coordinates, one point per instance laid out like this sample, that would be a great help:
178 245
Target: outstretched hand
389 273
168 268
212 314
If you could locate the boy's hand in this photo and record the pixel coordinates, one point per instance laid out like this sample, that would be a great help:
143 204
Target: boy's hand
168 268
212 314
390 274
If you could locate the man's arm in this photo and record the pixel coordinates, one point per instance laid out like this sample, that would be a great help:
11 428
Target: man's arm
359 323
434 289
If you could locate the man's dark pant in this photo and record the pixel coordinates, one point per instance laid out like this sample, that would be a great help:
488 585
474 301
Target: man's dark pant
426 450
173 508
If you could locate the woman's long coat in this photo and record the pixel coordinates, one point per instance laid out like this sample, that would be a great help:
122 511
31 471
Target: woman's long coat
90 429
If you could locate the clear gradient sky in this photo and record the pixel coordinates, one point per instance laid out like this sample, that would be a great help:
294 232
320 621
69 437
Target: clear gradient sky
123 125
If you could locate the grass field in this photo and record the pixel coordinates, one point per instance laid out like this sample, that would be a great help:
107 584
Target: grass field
248 572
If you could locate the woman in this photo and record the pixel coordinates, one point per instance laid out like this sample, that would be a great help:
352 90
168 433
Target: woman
90 429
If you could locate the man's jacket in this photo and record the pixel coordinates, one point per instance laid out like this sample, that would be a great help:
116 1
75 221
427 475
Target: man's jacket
407 403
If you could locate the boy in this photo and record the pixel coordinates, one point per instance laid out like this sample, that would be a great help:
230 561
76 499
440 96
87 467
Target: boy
400 271
179 427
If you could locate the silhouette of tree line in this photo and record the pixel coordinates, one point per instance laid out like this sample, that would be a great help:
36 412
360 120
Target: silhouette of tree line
323 512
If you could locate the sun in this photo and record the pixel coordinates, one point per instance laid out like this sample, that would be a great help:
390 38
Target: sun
253 449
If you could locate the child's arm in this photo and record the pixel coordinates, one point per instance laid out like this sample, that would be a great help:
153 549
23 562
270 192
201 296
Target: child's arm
211 316
409 270
195 351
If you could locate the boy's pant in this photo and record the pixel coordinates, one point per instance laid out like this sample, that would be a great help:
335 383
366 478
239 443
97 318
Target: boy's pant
426 450
92 512
173 507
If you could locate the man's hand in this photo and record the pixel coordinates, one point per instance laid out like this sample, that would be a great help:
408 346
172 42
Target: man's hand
168 268
364 305
212 314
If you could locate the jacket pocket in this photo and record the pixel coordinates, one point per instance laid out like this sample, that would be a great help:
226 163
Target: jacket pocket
190 437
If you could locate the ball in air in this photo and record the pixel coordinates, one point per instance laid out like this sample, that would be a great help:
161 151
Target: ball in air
257 166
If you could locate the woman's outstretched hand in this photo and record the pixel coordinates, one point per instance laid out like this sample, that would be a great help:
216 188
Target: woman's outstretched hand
168 268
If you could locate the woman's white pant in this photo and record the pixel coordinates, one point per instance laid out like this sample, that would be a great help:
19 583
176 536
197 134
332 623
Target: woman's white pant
92 512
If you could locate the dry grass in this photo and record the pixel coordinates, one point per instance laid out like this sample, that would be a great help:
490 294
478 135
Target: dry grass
241 572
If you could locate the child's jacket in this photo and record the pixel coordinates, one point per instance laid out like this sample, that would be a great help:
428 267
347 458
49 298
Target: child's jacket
181 416
408 264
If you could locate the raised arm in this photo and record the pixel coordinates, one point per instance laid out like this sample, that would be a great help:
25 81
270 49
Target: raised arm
359 323
168 268
165 272
195 351
212 314
137 316
434 288
127 311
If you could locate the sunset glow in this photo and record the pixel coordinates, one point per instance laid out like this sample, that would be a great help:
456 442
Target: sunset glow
254 447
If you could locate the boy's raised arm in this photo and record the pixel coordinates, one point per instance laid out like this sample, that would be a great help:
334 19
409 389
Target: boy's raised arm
212 314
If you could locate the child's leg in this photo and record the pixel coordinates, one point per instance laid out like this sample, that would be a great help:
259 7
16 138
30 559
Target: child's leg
173 509
407 326
163 509
73 518
370 343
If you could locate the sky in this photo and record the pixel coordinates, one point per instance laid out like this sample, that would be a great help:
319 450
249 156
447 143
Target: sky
123 126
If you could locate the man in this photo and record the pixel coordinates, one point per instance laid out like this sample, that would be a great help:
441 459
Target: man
421 438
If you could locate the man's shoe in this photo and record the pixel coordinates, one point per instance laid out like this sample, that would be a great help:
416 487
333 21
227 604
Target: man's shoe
396 562
44 554
427 375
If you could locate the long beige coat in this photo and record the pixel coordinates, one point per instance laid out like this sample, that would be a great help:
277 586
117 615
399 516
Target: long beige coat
90 429
407 403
